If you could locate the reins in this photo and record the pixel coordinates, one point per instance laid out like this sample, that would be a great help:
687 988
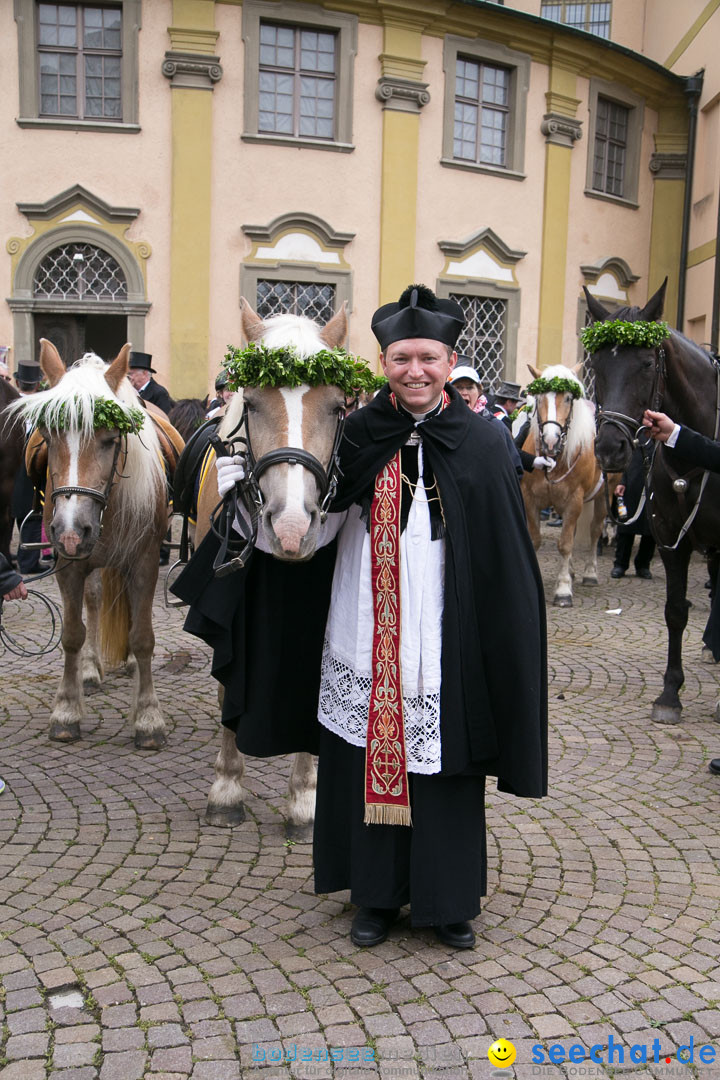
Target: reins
246 495
632 431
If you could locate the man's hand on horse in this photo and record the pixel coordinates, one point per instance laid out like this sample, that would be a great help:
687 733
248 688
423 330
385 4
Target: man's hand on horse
230 471
660 425
541 462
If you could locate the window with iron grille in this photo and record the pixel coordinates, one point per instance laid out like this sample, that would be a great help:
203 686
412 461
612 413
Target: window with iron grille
482 94
297 81
314 300
590 15
484 337
79 272
587 373
611 139
80 61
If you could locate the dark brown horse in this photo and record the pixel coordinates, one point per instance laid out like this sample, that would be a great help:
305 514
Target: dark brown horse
680 379
11 451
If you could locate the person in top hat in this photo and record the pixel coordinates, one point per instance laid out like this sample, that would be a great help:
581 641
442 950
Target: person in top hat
507 399
413 709
466 381
141 376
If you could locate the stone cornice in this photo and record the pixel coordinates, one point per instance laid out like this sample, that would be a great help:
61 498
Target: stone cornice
402 95
668 166
70 199
561 130
197 71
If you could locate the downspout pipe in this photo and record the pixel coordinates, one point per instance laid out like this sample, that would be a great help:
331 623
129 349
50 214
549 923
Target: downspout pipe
693 89
715 331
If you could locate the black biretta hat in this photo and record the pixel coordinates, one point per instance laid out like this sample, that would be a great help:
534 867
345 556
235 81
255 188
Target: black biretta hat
419 313
142 360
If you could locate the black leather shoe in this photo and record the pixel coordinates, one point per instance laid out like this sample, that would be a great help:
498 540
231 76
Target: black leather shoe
643 572
372 925
459 935
617 571
714 766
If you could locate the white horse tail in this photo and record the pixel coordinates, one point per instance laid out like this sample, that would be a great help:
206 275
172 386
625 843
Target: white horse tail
114 617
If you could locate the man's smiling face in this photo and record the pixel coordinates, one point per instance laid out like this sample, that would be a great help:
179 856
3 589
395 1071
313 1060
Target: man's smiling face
417 369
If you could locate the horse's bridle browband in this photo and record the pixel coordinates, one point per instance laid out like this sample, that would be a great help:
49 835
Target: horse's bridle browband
92 493
247 492
630 428
628 424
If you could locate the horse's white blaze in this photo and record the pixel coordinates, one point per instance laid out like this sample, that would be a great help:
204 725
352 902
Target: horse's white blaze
293 523
71 505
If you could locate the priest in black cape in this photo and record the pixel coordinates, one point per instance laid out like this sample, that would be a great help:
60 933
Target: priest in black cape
470 663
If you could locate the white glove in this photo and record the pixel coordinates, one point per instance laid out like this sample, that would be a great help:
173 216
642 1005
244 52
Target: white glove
539 463
230 471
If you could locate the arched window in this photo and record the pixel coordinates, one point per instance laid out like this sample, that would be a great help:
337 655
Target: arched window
79 272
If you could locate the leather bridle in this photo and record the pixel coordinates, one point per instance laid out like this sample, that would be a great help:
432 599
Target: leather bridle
247 494
101 497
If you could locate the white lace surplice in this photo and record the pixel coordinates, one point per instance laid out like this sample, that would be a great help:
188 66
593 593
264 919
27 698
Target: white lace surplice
347 654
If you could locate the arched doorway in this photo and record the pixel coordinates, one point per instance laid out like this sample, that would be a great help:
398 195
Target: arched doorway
81 287
84 274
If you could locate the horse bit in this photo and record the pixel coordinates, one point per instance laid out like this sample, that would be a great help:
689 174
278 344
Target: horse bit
629 427
248 496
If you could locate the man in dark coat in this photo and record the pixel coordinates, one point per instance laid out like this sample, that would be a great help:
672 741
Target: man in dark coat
460 549
698 450
141 376
631 490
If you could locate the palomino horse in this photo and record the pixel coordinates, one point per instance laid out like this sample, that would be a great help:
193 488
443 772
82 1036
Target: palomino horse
562 427
681 379
11 450
306 419
106 507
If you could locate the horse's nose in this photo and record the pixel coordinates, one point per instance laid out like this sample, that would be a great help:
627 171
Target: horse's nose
70 540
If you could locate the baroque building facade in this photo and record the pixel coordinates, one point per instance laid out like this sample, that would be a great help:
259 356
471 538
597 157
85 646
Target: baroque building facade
166 157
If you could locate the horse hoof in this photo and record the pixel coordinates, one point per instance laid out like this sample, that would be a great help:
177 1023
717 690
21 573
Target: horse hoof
150 740
666 714
65 733
589 581
299 834
706 656
225 817
563 601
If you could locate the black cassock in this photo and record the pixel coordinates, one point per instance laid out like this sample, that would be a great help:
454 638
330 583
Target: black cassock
268 637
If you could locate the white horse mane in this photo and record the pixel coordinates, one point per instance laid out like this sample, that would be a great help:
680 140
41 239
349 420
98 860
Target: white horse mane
73 398
296 330
581 432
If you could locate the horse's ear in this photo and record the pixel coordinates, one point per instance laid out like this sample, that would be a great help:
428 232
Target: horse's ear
596 309
119 368
252 324
577 370
50 362
535 372
335 331
654 307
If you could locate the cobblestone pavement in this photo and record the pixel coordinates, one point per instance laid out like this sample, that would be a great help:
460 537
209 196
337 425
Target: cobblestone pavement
138 942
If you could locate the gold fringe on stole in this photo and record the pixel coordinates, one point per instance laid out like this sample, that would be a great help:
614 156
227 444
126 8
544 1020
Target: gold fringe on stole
381 814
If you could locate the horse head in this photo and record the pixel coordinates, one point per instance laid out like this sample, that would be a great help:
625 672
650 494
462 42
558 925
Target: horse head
626 383
84 461
561 424
303 418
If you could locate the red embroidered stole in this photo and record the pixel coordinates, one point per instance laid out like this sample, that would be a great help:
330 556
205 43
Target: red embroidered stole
387 798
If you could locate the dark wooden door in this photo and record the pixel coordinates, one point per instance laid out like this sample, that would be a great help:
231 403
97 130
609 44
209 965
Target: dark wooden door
66 332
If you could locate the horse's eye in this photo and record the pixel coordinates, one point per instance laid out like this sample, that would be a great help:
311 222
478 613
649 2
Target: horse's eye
250 407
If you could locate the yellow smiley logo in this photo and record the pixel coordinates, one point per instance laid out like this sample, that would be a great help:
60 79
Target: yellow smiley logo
502 1053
